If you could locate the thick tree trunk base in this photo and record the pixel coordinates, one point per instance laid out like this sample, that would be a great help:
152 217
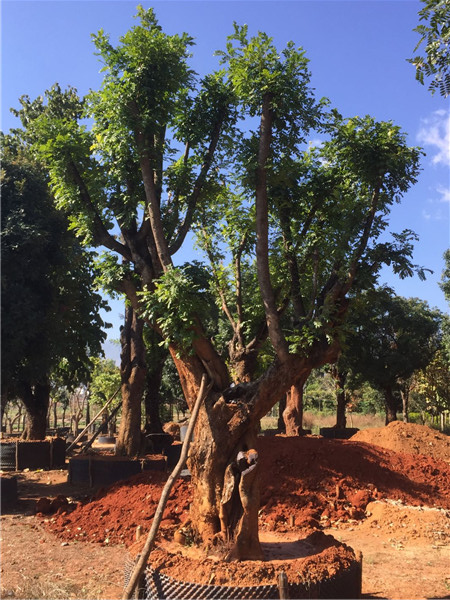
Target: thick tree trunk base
36 400
225 475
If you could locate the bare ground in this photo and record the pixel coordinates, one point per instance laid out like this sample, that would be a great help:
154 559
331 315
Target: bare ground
406 548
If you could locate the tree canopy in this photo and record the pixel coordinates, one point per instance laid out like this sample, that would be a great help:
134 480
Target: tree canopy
388 339
50 309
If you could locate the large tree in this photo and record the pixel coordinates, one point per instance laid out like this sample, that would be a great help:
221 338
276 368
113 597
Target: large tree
388 339
50 320
164 150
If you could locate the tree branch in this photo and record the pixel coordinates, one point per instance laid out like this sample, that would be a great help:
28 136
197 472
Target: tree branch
198 186
100 233
262 234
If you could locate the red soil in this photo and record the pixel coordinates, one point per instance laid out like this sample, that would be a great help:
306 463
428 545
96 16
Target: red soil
408 437
308 480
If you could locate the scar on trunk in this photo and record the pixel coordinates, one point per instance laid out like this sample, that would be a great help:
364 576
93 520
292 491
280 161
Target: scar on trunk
239 507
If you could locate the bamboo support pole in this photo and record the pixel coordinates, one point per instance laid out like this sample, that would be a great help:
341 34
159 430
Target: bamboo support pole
97 433
143 557
80 435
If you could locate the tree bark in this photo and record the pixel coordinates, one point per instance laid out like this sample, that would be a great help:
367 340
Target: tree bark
88 408
152 397
223 459
132 371
243 363
405 403
262 233
36 400
391 405
293 413
55 414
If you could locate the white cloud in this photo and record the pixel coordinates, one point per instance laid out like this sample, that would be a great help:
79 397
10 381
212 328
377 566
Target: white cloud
315 143
444 192
435 132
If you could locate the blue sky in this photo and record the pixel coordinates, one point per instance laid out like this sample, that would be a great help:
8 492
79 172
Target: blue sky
357 51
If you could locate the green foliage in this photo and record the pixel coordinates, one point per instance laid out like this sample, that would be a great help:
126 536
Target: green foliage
105 380
154 122
445 279
50 321
435 34
432 385
111 273
389 338
319 393
173 305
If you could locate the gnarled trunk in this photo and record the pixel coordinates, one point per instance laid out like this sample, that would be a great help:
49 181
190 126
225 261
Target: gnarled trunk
223 457
132 372
36 399
293 413
243 363
223 464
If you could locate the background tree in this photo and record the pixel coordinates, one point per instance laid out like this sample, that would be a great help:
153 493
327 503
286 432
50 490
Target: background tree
388 339
432 385
105 380
50 321
435 35
158 156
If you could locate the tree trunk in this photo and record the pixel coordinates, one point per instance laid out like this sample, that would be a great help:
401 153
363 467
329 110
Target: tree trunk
223 459
340 378
3 405
405 404
223 464
152 396
243 363
390 404
36 400
132 371
293 413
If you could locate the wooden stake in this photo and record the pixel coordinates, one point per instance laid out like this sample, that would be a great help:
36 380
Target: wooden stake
142 562
138 532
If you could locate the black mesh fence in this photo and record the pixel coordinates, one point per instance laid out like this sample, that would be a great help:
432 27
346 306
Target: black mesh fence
156 585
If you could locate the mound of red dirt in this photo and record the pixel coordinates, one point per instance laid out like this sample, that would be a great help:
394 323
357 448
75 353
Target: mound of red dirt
312 559
304 481
408 437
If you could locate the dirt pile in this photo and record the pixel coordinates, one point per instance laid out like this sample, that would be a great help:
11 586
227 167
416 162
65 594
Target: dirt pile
407 524
408 437
114 514
305 483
